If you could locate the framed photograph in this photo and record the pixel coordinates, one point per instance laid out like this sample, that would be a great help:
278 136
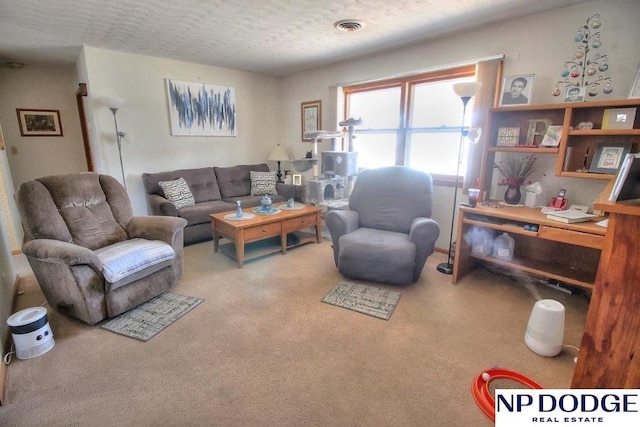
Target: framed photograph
618 118
517 90
552 136
575 94
508 137
635 87
296 179
311 112
608 157
39 122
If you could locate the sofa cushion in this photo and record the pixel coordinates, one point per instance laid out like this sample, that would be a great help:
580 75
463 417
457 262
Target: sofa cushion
200 212
123 259
235 181
178 192
202 182
263 183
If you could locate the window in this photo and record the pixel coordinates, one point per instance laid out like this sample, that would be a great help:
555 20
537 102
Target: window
412 121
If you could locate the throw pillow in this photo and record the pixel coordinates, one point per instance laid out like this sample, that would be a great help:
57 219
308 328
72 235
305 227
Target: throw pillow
263 183
178 192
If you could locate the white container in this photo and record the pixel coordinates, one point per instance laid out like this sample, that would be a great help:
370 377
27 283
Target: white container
545 330
481 241
31 332
503 247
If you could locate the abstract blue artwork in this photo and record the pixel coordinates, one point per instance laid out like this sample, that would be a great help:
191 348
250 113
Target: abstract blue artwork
200 109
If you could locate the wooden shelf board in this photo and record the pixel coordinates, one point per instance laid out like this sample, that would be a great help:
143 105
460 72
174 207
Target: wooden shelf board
588 175
516 149
605 132
268 246
551 270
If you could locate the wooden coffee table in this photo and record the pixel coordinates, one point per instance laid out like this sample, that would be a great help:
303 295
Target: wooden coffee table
263 227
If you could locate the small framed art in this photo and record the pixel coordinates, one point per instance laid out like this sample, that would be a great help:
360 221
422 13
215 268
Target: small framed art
517 90
39 122
552 136
618 118
608 157
311 113
296 179
508 137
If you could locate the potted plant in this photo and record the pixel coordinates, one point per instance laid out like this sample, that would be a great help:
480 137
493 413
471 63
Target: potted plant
514 170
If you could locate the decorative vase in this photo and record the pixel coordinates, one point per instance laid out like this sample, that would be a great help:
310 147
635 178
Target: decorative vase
513 195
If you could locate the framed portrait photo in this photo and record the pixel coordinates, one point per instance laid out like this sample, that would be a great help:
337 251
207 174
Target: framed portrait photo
575 94
311 113
608 157
39 122
517 90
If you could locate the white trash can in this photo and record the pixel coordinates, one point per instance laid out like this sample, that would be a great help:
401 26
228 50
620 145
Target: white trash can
545 330
31 332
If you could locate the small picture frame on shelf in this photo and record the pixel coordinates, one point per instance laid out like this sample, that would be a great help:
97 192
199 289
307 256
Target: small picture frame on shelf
618 118
517 90
552 136
508 137
634 92
608 157
296 179
575 94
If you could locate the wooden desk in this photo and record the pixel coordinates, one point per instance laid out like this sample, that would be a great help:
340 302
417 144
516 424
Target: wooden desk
565 252
610 351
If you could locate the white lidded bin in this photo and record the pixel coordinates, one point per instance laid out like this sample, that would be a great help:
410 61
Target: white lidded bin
545 330
31 332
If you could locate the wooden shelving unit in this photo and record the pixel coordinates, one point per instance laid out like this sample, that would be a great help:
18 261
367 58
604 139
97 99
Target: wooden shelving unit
575 144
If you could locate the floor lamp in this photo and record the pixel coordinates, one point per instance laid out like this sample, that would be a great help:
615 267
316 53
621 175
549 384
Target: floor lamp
114 104
278 154
465 91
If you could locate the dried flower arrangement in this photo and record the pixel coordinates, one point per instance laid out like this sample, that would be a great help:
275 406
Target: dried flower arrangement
515 169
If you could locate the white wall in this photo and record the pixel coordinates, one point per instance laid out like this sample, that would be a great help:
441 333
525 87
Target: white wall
148 145
538 44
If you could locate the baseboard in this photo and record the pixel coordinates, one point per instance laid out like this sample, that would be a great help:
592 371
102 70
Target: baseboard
8 341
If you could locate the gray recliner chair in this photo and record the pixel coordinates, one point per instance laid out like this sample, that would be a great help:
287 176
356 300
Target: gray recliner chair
92 258
387 234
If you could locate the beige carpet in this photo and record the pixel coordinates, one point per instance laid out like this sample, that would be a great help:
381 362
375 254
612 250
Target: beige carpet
263 350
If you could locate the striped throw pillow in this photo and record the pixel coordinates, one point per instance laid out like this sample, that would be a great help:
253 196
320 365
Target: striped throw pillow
178 192
263 183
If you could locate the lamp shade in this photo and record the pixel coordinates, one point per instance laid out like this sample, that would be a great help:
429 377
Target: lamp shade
113 103
278 153
467 89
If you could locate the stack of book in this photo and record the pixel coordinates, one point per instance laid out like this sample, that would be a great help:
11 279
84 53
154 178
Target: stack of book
570 216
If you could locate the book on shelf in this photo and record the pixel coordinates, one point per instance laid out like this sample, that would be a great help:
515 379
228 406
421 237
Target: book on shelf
627 183
570 216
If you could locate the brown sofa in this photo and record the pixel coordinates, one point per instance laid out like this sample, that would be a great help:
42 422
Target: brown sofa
214 189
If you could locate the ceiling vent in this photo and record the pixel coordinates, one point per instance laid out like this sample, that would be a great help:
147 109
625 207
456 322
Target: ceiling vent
349 25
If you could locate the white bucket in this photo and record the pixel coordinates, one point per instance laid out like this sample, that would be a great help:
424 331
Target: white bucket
31 332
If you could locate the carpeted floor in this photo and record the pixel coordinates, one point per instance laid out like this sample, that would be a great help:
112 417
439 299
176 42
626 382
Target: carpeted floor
264 350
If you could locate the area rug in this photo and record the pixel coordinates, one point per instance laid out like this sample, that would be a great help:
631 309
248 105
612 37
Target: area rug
147 320
365 299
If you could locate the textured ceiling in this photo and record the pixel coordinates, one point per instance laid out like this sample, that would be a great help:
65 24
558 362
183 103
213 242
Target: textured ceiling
276 37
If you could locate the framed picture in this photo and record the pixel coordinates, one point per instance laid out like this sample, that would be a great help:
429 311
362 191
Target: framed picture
552 136
201 109
608 157
618 118
508 137
635 87
296 179
575 94
517 90
39 122
311 113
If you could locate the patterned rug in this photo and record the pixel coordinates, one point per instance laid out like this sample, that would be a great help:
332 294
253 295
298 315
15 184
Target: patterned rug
365 299
150 318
